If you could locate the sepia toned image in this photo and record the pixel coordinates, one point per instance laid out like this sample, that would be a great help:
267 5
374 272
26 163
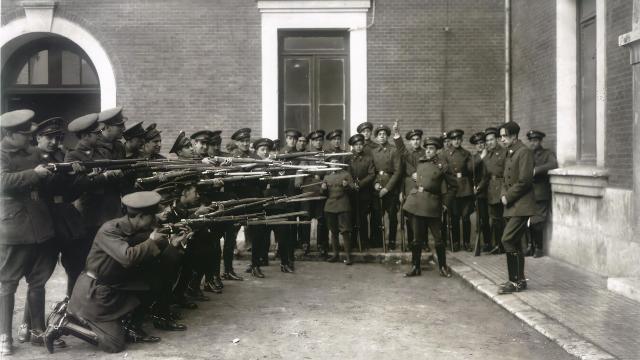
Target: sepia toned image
320 179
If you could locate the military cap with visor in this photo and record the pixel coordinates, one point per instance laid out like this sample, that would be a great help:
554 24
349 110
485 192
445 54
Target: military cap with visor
85 124
263 142
316 134
363 126
50 127
112 117
384 128
477 138
204 135
432 140
334 134
134 131
151 132
293 133
356 139
412 133
181 142
244 133
455 133
491 130
145 202
18 121
535 134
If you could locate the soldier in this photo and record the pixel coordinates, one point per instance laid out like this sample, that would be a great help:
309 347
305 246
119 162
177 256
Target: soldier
387 162
201 143
459 164
152 143
27 229
482 208
242 140
520 203
337 210
108 143
425 201
544 160
335 141
101 203
108 303
133 136
492 181
410 161
291 137
182 147
446 141
365 129
314 208
215 144
363 173
301 144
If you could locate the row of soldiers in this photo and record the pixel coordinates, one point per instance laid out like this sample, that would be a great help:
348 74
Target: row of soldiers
108 256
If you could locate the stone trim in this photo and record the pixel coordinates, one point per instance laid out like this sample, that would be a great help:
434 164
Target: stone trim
579 180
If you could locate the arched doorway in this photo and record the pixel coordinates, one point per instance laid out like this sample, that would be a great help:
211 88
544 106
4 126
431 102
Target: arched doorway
51 76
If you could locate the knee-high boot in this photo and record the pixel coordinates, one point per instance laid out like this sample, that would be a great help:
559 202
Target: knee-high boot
441 252
346 238
416 253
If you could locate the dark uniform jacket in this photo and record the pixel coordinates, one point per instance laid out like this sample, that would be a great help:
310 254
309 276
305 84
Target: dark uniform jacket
388 164
338 195
369 146
409 162
102 202
478 175
24 216
363 172
114 264
425 197
493 174
459 165
518 181
544 160
111 150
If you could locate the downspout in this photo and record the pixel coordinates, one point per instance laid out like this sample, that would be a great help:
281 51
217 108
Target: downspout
507 60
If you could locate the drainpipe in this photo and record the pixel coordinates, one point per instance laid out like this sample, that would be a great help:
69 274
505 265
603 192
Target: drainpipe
507 60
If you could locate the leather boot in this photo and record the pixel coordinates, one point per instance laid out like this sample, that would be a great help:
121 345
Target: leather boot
466 234
510 286
530 247
334 246
445 270
536 239
415 261
61 323
346 237
521 279
24 333
256 272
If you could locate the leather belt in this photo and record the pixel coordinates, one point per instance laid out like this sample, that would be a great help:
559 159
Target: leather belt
460 176
422 189
384 172
494 177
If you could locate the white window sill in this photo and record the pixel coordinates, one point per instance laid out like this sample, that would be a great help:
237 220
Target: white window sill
588 181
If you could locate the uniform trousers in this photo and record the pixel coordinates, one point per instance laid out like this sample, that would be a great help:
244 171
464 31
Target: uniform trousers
388 204
513 236
462 209
497 222
360 210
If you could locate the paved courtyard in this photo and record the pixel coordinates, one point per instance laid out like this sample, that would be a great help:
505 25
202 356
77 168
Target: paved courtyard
331 311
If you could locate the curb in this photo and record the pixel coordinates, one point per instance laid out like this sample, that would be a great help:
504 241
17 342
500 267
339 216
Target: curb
555 331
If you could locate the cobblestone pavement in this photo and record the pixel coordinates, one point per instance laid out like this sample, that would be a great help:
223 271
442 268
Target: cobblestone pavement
575 298
331 311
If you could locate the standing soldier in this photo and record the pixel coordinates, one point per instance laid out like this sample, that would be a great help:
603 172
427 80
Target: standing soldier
215 144
335 141
182 147
492 181
133 140
388 173
315 208
459 165
337 210
98 204
365 129
410 162
108 143
291 138
425 201
480 190
544 160
242 140
520 203
363 173
152 143
301 144
26 248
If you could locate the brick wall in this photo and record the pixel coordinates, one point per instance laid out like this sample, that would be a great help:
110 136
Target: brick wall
408 79
619 158
533 71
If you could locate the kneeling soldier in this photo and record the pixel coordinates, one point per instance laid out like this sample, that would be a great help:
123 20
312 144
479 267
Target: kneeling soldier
108 291
424 204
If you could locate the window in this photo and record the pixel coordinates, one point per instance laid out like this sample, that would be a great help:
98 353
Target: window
313 80
587 149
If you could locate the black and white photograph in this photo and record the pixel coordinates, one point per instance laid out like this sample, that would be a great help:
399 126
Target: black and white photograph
320 179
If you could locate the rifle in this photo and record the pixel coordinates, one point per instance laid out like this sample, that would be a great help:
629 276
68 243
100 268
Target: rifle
403 218
382 226
356 227
235 160
477 250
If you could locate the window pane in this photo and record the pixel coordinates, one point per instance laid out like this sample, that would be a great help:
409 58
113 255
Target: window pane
297 117
297 81
39 68
70 68
331 81
314 43
88 76
587 9
331 117
23 76
588 91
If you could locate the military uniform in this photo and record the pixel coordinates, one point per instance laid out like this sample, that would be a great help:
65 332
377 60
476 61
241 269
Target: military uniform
26 249
111 149
424 202
410 162
363 173
369 145
112 285
521 204
388 164
459 164
481 205
544 160
133 135
337 210
492 180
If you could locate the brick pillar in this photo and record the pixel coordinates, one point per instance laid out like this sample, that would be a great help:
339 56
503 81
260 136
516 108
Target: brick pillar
632 42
